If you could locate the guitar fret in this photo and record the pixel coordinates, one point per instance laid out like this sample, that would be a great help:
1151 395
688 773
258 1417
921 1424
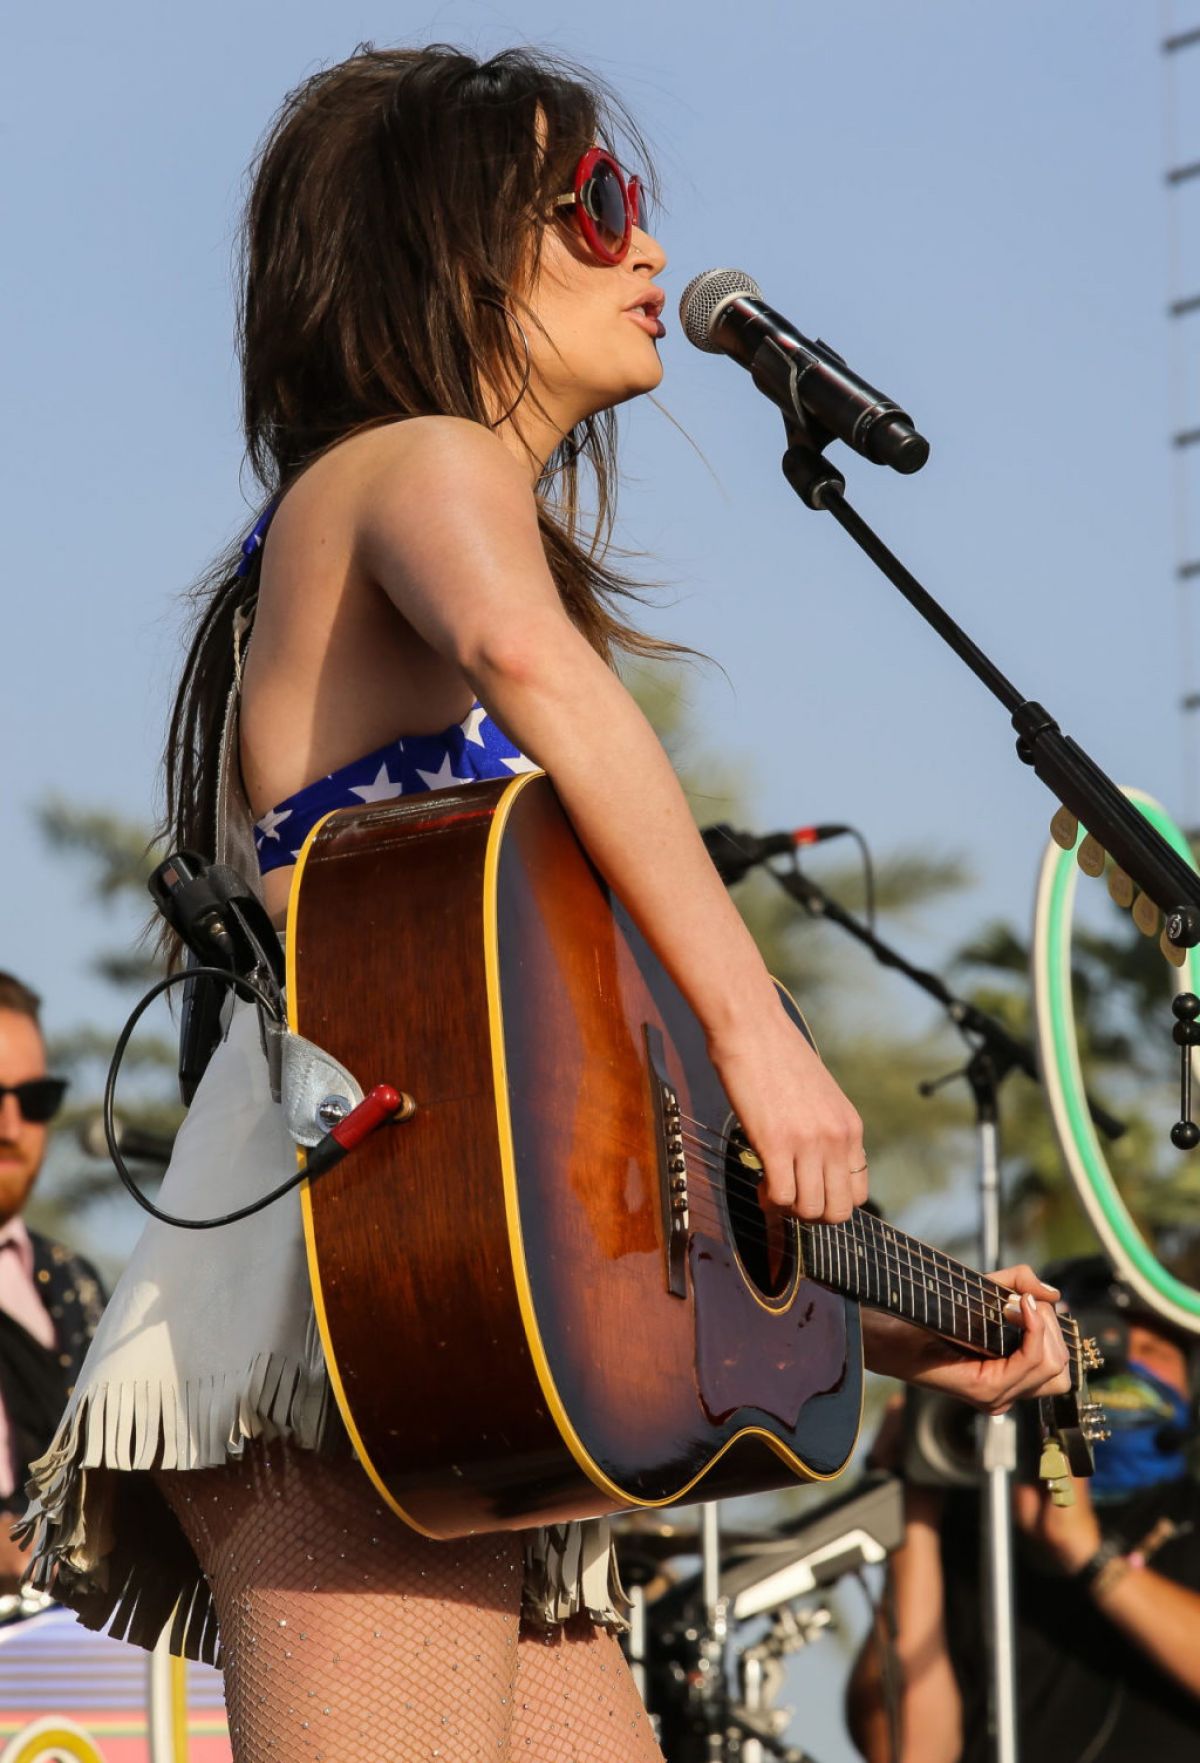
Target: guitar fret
869 1260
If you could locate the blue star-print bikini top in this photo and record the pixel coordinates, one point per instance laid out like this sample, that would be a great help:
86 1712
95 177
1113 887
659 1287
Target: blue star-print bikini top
465 752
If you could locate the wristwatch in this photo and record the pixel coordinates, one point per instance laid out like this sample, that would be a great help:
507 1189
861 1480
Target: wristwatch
1108 1565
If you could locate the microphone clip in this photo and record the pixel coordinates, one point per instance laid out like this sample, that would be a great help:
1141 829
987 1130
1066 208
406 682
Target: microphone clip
805 466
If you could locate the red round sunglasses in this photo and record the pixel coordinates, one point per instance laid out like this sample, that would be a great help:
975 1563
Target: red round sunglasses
606 207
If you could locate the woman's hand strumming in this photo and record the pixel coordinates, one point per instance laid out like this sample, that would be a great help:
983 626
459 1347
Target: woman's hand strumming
805 1133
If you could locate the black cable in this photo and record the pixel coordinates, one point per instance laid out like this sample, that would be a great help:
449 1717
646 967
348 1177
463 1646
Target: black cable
248 988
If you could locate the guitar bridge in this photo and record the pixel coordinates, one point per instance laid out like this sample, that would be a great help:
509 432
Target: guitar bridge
672 1164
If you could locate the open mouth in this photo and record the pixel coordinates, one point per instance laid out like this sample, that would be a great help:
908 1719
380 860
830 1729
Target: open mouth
647 317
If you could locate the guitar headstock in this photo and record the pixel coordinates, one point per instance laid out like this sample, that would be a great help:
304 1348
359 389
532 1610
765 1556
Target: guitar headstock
1071 1423
1092 858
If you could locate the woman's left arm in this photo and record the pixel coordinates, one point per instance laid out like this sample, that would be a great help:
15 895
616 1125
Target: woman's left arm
1038 1367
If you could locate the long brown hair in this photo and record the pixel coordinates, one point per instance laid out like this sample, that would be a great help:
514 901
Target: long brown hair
397 204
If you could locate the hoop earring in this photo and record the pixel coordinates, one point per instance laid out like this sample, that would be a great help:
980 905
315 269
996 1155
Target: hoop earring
485 300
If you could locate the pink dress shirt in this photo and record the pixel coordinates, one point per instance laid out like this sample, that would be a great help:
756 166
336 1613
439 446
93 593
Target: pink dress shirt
19 1297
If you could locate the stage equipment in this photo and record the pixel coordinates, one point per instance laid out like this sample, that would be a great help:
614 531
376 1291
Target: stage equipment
1089 797
760 1575
598 1312
735 853
132 1141
1132 1256
723 312
941 1446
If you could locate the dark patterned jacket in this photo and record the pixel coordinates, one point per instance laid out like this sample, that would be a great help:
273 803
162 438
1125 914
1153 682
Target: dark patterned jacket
70 1289
35 1382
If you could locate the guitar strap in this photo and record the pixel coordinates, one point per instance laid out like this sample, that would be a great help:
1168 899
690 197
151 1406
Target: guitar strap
234 843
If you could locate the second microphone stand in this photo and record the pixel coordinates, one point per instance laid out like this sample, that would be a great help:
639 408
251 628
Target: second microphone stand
994 1053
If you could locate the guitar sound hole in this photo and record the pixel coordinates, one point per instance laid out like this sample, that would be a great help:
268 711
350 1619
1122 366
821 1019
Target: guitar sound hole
765 1241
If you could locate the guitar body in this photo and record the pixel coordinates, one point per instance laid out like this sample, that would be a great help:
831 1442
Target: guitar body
551 1293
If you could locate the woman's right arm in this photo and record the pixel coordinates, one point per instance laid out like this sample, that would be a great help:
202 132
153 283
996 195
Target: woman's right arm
448 528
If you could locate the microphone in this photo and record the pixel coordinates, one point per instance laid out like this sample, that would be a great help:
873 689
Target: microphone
734 853
723 312
143 1147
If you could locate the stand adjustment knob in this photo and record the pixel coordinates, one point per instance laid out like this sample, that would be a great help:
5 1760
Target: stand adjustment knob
1185 1134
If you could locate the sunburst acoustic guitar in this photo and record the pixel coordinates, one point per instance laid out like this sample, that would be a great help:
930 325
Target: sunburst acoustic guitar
552 1292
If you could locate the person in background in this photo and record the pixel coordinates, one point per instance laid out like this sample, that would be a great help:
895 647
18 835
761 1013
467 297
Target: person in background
50 1299
1107 1588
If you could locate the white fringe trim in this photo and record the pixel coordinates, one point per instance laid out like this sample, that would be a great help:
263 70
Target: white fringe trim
126 1576
571 1570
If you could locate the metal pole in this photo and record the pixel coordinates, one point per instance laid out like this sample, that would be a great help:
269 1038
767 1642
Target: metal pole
637 1638
999 1454
713 1646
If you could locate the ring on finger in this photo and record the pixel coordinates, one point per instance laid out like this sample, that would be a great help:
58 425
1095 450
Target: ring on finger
859 1170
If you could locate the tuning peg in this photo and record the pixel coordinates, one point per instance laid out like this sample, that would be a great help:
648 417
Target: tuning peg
1093 1358
1090 856
1064 829
1120 888
1093 1423
1146 915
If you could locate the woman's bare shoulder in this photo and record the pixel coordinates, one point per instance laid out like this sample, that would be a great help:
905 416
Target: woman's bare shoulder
424 450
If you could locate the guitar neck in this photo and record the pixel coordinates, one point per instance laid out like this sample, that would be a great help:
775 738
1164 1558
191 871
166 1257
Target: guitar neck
885 1269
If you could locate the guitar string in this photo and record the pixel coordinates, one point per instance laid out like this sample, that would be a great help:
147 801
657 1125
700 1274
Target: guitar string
751 1211
927 1257
720 1145
848 1245
892 1264
924 1250
900 1271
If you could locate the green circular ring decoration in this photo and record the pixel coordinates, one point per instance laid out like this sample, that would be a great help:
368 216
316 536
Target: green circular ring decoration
1058 1051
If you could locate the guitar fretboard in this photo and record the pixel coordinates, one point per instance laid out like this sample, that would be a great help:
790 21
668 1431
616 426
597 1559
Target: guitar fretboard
886 1269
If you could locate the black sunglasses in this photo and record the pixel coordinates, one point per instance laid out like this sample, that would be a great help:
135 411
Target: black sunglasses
38 1098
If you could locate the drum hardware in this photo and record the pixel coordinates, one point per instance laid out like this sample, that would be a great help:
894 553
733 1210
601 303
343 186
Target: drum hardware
682 1628
757 1724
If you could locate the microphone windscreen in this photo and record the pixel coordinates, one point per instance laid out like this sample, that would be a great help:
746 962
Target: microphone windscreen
90 1134
704 297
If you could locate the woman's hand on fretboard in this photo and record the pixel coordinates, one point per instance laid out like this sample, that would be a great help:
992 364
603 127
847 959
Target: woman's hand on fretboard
1039 1367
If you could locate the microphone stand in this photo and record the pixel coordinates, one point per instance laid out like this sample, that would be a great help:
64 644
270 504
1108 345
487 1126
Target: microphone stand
994 1054
1063 766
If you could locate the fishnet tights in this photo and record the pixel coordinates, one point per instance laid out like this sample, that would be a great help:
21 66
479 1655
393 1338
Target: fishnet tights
348 1638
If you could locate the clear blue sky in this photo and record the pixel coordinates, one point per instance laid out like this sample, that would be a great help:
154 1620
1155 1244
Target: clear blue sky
967 201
